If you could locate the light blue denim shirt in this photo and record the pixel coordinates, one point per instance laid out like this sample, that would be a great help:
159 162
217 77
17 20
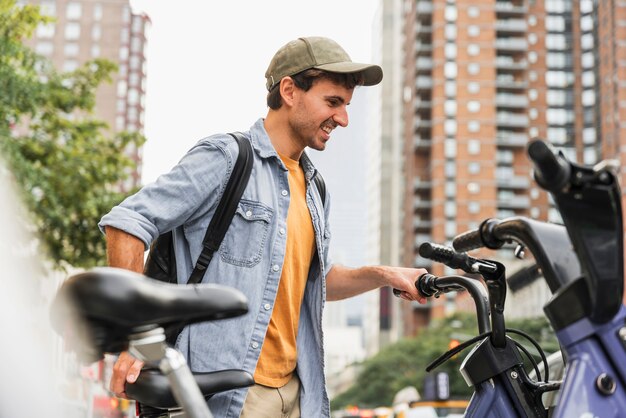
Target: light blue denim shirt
250 258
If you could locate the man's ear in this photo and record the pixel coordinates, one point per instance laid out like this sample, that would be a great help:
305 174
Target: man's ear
287 89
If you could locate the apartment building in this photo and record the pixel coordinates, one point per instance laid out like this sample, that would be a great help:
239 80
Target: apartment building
87 29
483 78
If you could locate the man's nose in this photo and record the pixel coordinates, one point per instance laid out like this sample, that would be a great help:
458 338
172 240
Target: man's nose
341 118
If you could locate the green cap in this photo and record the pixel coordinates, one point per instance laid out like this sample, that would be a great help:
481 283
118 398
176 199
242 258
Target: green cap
320 53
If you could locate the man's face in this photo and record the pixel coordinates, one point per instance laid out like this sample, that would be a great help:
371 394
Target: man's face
317 112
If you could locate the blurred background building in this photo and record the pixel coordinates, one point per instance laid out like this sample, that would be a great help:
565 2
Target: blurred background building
84 30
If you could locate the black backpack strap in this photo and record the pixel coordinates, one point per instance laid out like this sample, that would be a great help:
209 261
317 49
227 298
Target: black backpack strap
227 207
321 186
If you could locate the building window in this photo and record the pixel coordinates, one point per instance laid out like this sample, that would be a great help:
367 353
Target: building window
588 79
450 189
556 41
450 32
532 38
449 127
450 88
450 229
532 20
44 48
473 207
533 113
72 31
122 88
473 168
48 7
449 148
586 23
95 51
70 65
587 60
73 10
555 23
449 69
473 11
45 31
473 126
450 169
473 50
473 30
586 41
590 156
532 94
449 108
449 209
557 135
473 68
473 146
588 98
450 51
96 32
473 87
586 6
589 135
532 56
70 50
473 187
450 13
473 106
97 11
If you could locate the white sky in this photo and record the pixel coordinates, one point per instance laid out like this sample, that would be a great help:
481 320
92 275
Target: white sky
207 60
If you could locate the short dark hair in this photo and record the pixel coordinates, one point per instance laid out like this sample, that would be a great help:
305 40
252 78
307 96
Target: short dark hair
304 80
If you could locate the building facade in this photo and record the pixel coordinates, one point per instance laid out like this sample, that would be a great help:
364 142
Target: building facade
83 30
483 78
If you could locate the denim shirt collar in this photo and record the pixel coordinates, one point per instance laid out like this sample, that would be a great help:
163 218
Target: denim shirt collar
262 145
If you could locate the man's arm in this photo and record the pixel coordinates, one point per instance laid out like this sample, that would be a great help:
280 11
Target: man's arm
124 251
344 282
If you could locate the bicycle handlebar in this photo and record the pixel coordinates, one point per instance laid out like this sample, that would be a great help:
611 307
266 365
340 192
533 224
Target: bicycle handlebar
552 170
455 260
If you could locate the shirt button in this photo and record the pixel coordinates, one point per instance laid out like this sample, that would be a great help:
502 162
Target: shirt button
275 267
267 306
249 213
284 192
255 345
281 231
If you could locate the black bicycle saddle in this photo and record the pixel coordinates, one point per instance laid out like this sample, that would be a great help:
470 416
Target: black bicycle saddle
153 389
108 304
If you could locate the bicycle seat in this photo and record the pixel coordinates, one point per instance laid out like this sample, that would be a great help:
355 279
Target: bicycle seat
112 303
152 388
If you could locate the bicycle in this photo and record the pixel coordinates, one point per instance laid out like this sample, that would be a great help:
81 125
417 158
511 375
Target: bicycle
582 263
115 310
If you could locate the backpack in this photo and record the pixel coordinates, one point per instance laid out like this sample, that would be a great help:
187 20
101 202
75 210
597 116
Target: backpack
161 261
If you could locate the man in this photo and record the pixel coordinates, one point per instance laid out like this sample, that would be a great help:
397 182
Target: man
276 249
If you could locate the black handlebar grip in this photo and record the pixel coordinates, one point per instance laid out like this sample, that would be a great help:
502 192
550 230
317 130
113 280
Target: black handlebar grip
436 252
468 241
552 171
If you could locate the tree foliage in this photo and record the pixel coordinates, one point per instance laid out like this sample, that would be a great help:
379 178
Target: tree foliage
65 160
403 364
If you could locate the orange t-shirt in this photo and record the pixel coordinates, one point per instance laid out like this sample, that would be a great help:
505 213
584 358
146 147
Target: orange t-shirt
278 356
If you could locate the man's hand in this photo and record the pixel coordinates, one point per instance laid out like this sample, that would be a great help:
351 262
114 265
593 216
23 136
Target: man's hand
126 369
404 279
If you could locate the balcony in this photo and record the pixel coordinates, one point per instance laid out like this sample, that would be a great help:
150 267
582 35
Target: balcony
423 48
421 105
511 139
508 63
516 183
423 64
423 124
511 100
420 224
423 31
514 202
423 82
511 25
421 204
420 184
424 7
504 82
512 120
507 8
422 145
511 44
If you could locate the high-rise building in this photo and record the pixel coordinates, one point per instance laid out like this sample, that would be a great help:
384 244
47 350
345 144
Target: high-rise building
481 79
87 29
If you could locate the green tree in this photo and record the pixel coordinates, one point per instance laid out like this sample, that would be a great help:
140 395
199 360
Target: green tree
403 364
65 161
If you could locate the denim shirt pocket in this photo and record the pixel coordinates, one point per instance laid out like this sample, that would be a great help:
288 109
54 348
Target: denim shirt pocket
245 239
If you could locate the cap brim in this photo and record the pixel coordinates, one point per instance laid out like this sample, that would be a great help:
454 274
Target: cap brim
372 74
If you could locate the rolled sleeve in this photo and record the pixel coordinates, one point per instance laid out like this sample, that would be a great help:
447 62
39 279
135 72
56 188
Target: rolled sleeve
189 190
